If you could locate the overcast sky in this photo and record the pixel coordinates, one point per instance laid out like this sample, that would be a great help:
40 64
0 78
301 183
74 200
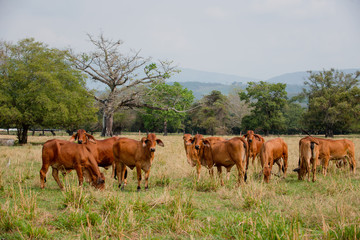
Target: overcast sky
257 38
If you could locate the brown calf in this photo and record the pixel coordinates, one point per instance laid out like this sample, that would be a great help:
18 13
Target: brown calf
105 157
226 154
63 156
308 155
329 149
197 152
255 142
190 150
272 152
132 153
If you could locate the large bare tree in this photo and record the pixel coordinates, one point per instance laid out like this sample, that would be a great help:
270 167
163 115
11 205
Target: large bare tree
124 75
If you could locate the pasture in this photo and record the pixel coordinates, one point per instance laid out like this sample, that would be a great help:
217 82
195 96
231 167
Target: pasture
176 206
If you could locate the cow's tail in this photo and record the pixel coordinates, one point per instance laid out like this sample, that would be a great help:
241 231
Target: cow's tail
312 147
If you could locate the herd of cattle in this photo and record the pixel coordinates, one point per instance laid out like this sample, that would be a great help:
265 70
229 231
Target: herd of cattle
88 154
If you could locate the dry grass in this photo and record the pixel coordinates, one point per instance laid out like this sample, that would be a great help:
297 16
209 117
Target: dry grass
176 206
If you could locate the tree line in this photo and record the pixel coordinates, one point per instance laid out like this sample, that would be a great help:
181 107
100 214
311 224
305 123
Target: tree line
43 87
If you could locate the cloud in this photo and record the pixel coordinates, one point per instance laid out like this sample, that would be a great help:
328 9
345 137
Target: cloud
215 12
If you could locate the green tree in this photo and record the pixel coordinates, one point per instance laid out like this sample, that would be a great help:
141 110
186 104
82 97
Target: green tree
267 101
124 75
161 96
237 110
38 87
212 117
293 114
333 101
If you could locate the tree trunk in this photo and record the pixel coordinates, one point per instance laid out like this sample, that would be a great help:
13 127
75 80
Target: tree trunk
108 120
165 128
22 134
267 132
329 133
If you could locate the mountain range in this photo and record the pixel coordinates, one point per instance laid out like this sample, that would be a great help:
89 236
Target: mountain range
202 83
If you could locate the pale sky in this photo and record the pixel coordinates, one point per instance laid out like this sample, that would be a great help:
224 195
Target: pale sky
248 38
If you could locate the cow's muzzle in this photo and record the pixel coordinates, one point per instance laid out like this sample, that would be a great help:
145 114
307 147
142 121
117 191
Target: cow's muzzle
197 147
80 141
152 149
250 140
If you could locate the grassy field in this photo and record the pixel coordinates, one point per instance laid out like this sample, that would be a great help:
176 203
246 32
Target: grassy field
176 206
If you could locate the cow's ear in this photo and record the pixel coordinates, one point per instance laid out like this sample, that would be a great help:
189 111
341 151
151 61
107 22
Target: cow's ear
206 143
90 137
160 143
73 137
257 137
143 140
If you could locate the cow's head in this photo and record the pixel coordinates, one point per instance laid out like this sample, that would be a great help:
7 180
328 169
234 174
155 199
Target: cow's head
252 137
82 137
100 182
187 139
249 134
90 177
197 140
150 142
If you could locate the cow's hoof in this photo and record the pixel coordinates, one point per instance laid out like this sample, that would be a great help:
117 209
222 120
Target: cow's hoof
146 188
138 189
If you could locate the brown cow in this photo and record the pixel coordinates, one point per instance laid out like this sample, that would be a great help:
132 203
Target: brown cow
272 152
190 150
132 153
329 149
255 142
105 156
197 152
62 156
308 155
226 154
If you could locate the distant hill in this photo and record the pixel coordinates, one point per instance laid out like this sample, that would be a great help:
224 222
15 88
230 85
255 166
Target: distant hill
202 83
298 78
201 89
191 75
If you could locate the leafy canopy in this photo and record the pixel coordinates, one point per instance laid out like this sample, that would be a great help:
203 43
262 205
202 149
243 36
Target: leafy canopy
334 101
174 98
267 101
39 87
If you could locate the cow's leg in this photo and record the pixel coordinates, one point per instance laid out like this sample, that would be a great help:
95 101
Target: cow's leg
325 165
285 163
43 172
219 170
211 172
123 175
55 174
80 175
228 173
198 168
352 162
113 170
253 156
241 173
147 173
138 172
118 170
280 166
